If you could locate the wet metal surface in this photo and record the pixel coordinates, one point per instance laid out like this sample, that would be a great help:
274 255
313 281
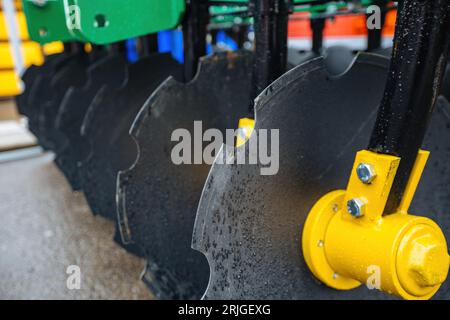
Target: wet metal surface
250 226
46 227
158 199
106 74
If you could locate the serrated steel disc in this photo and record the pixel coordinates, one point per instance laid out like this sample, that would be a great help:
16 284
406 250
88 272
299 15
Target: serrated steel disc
28 79
108 73
71 74
249 225
158 199
337 58
106 130
39 93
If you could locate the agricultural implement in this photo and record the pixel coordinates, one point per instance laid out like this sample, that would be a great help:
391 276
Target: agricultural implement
320 209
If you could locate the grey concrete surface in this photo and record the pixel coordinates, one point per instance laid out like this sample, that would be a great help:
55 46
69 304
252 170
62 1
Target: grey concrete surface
45 227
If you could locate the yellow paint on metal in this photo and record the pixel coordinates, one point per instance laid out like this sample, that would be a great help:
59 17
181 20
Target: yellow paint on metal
421 257
31 54
245 129
376 193
414 180
313 242
408 252
53 48
21 23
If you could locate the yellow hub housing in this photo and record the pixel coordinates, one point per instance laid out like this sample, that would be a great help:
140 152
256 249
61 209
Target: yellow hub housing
400 254
245 130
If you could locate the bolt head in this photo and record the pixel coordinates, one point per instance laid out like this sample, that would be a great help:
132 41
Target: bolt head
366 173
356 207
425 261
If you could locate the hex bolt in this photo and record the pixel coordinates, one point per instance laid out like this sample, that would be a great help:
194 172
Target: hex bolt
356 207
366 173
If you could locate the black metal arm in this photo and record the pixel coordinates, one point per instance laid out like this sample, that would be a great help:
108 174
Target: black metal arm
271 28
195 25
375 36
317 27
418 63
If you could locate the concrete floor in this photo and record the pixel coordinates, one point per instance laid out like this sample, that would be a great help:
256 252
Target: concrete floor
45 227
8 110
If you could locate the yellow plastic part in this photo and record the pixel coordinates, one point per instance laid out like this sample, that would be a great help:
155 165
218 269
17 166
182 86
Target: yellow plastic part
10 84
21 23
53 48
31 54
245 130
409 252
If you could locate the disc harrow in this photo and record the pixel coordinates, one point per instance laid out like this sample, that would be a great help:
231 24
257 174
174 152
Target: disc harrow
241 165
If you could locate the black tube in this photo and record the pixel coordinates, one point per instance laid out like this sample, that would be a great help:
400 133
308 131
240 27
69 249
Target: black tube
194 35
418 62
270 58
280 38
241 35
375 36
148 44
317 27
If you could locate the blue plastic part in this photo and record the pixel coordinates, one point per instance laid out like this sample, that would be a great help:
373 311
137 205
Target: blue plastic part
177 45
165 41
224 40
132 54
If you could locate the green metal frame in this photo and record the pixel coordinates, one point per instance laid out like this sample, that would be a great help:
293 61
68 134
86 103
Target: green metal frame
47 23
106 21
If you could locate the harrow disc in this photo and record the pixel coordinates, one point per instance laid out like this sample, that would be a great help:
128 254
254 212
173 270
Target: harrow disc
107 74
249 225
72 74
37 88
106 130
28 79
158 199
337 58
46 94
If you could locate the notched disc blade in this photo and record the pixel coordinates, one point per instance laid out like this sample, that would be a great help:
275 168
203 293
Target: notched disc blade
108 73
249 225
158 199
72 74
107 131
39 92
337 58
28 79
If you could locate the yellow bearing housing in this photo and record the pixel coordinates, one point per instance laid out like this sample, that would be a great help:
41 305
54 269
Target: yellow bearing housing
407 253
245 130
